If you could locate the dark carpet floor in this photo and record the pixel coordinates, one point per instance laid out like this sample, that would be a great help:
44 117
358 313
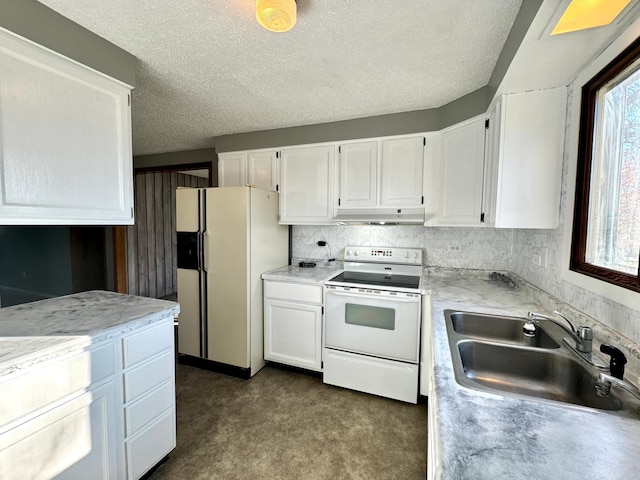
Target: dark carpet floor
287 425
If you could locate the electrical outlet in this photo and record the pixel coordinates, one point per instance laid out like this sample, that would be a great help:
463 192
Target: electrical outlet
539 258
455 248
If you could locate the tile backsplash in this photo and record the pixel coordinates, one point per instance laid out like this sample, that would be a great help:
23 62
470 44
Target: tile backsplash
479 248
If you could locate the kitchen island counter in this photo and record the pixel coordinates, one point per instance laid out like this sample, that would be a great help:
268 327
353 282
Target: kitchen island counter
74 373
479 435
40 331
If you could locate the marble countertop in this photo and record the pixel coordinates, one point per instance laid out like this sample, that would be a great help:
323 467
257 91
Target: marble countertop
312 276
491 436
39 331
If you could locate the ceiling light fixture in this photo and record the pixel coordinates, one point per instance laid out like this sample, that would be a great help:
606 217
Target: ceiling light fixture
276 15
583 14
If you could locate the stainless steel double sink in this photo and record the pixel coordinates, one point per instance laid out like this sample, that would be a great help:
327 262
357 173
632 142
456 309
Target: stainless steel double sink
491 353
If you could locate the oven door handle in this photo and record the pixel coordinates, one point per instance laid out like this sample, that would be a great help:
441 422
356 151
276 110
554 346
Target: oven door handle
415 299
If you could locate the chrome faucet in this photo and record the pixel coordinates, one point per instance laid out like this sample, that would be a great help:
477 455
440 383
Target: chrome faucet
583 336
603 386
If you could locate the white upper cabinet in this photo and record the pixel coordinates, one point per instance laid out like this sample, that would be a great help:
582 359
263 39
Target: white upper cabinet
254 167
505 173
380 180
262 169
65 140
526 152
401 167
358 174
306 184
232 169
458 172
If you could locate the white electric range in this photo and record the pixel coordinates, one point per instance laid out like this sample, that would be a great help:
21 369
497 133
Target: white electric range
372 322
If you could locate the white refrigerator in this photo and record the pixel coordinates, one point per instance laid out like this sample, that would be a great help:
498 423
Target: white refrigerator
227 237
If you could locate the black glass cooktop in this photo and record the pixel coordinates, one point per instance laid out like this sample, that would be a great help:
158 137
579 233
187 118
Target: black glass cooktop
378 279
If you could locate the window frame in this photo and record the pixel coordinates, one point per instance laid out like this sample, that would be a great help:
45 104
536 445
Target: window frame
583 174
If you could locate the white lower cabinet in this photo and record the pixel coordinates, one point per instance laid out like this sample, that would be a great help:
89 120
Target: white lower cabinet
432 451
293 324
147 448
63 422
148 378
426 363
104 413
70 441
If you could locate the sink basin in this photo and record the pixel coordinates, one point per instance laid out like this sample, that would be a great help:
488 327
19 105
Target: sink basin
497 328
534 372
490 353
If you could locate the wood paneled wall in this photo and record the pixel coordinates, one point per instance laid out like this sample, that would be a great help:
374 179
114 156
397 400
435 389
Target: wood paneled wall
151 241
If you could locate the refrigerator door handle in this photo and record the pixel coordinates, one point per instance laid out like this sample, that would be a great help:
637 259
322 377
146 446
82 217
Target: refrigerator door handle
199 251
205 250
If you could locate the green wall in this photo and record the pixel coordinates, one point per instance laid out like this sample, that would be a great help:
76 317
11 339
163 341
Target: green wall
40 24
34 263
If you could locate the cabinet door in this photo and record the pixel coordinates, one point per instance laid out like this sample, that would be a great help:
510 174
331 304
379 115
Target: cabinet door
530 165
401 167
232 169
306 185
462 173
357 170
293 334
74 440
261 167
65 154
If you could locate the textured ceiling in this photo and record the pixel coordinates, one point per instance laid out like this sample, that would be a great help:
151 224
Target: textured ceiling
206 68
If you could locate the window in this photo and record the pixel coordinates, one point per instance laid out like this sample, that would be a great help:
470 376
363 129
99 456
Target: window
606 228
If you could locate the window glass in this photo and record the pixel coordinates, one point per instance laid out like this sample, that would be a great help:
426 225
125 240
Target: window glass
606 227
613 238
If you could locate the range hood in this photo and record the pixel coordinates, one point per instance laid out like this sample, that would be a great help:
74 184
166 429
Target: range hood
380 216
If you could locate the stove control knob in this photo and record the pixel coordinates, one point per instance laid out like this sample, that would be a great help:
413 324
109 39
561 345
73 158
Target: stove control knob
349 252
355 253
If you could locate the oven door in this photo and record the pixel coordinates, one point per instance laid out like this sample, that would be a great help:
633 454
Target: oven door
379 323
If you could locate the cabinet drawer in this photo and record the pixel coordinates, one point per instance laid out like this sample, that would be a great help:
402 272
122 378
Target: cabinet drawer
150 406
151 445
294 292
143 378
34 388
142 345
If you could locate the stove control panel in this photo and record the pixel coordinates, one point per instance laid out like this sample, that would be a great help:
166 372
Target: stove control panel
411 256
